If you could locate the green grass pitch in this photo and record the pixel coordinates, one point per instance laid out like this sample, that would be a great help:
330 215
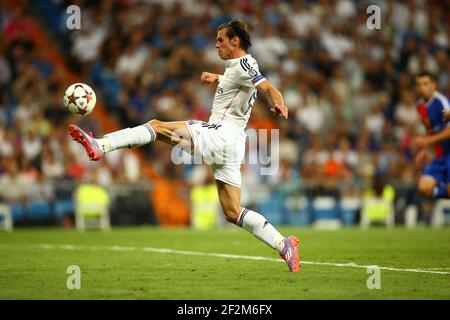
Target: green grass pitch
33 264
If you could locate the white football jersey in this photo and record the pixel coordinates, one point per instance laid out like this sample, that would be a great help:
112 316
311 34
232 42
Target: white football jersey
236 91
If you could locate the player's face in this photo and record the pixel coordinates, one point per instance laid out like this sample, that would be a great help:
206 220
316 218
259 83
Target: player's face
425 87
224 45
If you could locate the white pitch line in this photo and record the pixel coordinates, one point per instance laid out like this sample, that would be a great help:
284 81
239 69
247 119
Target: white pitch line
231 256
435 268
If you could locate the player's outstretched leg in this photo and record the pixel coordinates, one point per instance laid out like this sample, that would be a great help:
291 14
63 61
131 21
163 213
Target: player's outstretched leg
170 132
257 225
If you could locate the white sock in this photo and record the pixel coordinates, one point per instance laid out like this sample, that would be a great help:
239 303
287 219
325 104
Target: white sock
127 138
257 225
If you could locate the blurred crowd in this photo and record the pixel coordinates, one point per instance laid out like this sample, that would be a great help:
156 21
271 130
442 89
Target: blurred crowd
349 89
36 155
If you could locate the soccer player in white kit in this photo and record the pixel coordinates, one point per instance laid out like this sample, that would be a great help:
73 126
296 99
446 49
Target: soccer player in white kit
221 140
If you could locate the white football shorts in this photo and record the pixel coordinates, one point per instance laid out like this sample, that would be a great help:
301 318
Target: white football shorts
222 146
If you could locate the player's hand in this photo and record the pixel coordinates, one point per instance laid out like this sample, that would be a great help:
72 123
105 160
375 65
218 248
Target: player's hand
420 142
446 113
280 109
209 78
423 157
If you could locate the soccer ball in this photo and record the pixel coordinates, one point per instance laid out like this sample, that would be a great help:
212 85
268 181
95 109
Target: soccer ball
80 99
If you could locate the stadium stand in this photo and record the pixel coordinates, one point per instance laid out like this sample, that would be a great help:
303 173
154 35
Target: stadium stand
349 90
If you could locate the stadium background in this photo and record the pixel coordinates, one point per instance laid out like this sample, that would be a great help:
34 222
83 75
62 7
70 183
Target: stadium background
350 92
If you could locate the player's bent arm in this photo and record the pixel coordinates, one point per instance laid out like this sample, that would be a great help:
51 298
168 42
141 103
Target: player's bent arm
274 94
427 140
446 115
269 90
440 136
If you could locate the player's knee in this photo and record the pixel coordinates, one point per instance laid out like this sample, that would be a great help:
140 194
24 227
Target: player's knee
231 215
157 125
426 189
426 192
